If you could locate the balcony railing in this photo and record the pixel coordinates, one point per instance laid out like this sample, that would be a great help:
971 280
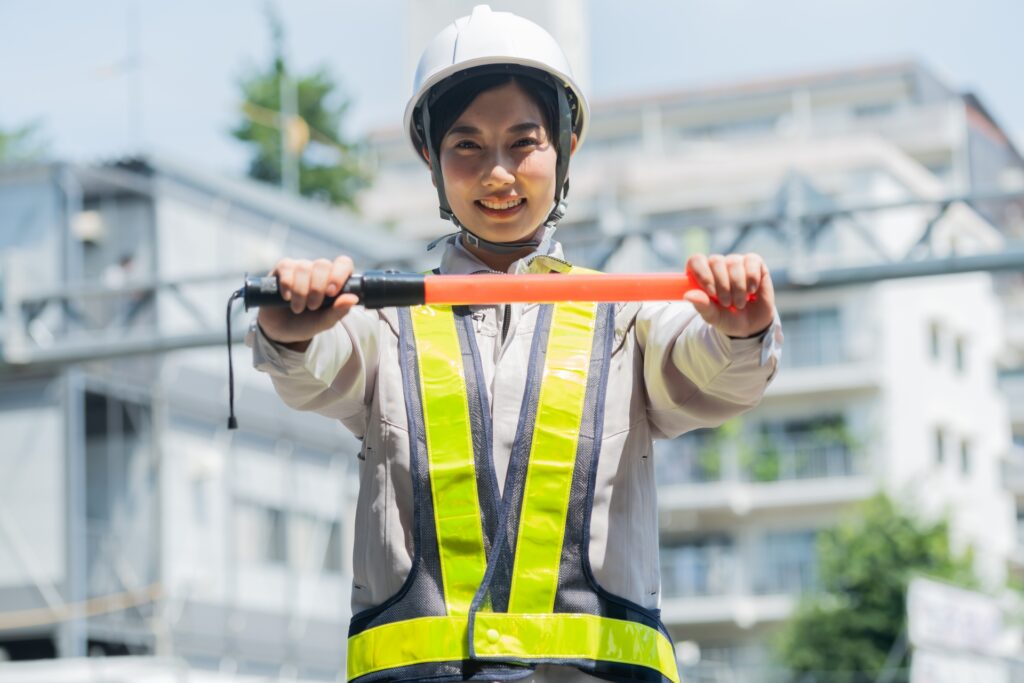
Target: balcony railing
761 460
804 459
810 348
786 567
793 576
678 462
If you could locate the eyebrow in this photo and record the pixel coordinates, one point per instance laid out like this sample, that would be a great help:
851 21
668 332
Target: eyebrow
473 130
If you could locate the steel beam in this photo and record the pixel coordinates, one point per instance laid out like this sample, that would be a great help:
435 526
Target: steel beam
1010 259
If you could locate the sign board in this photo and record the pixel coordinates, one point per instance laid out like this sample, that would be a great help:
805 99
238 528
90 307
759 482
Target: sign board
930 666
949 619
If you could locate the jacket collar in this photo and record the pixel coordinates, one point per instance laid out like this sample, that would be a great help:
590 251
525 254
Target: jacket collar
458 260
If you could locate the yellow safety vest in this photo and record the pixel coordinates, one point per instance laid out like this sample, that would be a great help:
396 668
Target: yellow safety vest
501 583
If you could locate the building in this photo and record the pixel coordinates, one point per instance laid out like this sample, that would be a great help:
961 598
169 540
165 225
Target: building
132 522
885 385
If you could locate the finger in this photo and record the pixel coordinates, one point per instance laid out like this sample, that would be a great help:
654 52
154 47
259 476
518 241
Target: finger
722 285
341 270
704 306
285 271
754 266
737 280
697 266
300 287
319 276
767 290
344 302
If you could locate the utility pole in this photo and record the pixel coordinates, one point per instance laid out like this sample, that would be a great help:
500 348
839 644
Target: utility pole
289 115
133 61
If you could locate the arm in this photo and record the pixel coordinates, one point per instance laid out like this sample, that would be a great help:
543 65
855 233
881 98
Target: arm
332 376
320 358
696 376
710 358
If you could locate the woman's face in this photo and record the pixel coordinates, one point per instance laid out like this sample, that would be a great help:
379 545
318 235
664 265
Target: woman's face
498 164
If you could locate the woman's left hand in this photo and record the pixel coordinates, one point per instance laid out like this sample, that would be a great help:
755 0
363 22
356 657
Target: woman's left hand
737 298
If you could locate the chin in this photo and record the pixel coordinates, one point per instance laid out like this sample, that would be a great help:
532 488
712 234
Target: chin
504 236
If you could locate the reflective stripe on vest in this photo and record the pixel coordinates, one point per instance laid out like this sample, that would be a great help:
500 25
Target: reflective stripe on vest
552 459
450 456
520 636
529 631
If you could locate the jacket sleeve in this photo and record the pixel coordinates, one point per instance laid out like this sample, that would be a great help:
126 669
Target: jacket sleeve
334 376
696 376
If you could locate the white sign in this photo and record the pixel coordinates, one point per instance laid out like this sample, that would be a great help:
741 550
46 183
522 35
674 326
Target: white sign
929 666
946 618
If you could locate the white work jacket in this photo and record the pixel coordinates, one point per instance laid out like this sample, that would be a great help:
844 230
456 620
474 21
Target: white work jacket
670 373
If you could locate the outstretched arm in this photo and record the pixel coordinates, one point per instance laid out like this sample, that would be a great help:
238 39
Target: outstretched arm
710 358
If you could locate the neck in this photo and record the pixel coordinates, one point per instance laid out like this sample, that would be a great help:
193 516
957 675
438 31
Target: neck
498 262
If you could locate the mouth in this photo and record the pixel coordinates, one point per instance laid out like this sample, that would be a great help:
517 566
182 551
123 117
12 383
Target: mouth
501 208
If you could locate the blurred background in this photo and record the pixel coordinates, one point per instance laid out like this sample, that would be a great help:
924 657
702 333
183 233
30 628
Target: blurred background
864 523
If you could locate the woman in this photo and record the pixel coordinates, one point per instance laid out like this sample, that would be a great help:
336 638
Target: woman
506 525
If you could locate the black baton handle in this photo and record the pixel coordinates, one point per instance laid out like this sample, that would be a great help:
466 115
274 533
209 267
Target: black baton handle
375 289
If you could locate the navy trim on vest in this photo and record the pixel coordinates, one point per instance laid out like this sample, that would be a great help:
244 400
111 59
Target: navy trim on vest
417 465
500 565
481 427
615 606
438 672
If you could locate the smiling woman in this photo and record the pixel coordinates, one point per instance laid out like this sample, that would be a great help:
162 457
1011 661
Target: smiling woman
507 517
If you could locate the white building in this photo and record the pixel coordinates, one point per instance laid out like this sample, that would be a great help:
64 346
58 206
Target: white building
131 520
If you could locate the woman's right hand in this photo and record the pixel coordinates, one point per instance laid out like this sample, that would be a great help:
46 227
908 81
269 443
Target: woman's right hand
305 284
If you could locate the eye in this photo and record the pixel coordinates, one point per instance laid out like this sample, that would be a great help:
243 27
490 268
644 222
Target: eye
466 144
526 142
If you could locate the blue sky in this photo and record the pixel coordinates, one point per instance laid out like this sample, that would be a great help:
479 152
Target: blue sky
63 61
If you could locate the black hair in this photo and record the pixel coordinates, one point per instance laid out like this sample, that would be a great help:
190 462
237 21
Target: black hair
455 100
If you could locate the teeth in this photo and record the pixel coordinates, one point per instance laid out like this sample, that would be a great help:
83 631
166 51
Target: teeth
501 205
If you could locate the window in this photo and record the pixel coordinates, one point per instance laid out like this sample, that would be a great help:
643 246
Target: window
965 456
332 558
266 535
940 445
261 536
702 566
936 340
315 544
961 354
813 338
788 563
806 448
693 458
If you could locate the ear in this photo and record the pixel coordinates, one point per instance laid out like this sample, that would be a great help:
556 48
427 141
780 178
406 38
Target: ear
430 164
572 144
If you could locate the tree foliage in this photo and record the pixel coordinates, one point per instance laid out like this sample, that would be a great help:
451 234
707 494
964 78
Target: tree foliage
21 144
330 166
865 564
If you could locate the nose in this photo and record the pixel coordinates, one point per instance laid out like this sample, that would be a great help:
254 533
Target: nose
500 172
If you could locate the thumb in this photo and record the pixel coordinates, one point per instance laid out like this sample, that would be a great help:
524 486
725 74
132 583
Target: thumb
705 307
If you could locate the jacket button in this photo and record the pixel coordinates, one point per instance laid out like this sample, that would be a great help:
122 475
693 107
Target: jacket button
493 635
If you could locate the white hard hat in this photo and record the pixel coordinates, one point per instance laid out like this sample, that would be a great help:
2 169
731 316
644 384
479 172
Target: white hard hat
512 44
490 38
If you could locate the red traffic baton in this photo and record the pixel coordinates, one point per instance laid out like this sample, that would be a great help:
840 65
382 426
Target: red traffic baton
377 289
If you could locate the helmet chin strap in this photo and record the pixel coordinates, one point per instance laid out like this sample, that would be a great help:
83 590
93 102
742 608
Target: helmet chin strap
565 119
544 232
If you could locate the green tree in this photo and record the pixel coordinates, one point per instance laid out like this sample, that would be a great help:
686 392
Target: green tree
21 144
865 566
329 166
